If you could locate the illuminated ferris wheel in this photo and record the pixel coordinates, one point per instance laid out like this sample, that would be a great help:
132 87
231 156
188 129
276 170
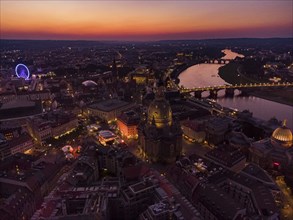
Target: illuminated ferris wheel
22 71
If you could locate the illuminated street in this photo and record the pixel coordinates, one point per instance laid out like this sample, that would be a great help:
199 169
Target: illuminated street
287 210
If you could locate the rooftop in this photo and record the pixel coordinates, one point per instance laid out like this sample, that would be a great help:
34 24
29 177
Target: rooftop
263 196
193 124
109 105
239 138
219 121
107 134
212 197
20 109
130 117
141 186
17 103
202 168
25 173
261 193
226 155
161 207
258 173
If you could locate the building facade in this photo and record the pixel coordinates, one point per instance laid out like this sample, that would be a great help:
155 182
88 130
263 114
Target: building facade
160 136
39 129
127 124
21 144
275 152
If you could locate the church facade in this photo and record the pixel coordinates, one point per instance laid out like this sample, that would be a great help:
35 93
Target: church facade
160 136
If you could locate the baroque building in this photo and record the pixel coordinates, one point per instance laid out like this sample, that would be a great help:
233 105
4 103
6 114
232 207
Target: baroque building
160 136
274 152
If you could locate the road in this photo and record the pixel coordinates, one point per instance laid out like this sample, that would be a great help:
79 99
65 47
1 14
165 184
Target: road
287 211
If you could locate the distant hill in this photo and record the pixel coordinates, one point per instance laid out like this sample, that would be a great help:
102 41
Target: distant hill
46 44
261 43
247 42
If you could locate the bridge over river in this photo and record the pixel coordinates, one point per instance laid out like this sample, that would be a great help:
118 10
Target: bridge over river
229 89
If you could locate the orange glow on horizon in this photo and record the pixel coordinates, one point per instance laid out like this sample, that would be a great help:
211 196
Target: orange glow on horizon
98 19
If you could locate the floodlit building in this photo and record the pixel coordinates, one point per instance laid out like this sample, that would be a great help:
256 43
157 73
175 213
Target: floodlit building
275 152
127 124
106 136
193 131
39 129
160 136
64 126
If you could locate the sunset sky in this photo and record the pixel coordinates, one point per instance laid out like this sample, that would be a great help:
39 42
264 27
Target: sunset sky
144 20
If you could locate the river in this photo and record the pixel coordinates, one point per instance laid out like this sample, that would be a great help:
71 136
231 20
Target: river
201 75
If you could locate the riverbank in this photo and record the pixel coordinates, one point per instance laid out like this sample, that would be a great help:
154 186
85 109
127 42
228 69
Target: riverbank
283 96
231 74
178 70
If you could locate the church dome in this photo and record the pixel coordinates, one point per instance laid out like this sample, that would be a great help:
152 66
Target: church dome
283 135
159 111
89 83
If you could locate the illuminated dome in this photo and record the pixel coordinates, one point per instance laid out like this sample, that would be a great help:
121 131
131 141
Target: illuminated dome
159 111
89 83
283 135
